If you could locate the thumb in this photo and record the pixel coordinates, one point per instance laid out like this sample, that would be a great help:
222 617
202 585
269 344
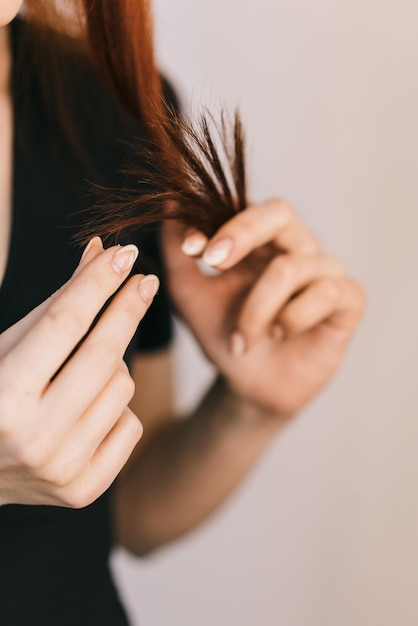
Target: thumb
198 297
188 281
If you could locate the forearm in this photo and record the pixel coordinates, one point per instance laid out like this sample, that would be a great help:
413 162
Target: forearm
189 468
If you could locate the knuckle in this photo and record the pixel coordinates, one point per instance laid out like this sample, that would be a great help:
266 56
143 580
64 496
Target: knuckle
57 474
283 207
131 304
284 268
330 289
81 492
31 455
66 320
77 498
124 368
107 351
245 227
63 476
134 424
124 385
138 429
46 473
250 320
102 278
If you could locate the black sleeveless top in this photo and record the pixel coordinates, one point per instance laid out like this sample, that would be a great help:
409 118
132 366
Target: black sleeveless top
54 561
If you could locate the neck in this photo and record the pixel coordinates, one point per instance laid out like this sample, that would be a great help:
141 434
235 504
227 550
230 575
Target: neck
4 60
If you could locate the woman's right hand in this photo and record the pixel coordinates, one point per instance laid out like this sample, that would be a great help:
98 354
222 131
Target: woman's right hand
65 436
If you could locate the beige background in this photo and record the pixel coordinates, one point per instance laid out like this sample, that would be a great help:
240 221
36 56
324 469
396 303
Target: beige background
325 531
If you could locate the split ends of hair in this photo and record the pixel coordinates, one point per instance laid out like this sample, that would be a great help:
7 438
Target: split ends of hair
191 170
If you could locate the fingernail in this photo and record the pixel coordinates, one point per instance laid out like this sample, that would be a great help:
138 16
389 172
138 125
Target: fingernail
148 287
124 258
193 245
218 252
277 332
238 345
92 242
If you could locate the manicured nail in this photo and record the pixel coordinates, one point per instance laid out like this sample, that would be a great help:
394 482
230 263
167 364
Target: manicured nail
124 258
148 287
92 242
218 252
277 332
238 345
193 245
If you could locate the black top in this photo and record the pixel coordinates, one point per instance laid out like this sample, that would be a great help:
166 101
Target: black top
54 561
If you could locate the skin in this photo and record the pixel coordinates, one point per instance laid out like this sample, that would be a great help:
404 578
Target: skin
8 10
71 461
295 311
275 321
6 125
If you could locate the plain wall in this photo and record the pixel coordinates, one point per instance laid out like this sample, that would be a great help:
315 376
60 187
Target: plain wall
325 530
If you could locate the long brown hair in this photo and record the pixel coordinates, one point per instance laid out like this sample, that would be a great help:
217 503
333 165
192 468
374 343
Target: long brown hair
194 171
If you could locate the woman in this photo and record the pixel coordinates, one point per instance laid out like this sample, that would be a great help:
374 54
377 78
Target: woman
276 332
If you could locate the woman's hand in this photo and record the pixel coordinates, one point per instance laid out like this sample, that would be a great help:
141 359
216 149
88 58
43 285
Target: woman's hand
65 428
277 319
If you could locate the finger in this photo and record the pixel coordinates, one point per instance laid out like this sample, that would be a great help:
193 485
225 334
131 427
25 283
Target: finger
91 251
177 262
106 463
15 333
69 317
271 222
96 360
73 454
184 270
193 245
194 242
284 276
334 300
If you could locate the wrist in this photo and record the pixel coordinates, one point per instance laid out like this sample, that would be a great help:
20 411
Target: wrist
243 411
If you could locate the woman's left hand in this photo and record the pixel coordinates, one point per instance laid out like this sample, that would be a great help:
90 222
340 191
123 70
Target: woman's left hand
278 317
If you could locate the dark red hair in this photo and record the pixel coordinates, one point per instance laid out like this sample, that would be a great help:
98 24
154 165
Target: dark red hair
197 170
119 39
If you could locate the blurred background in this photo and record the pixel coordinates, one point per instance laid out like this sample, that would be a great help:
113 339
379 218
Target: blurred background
325 530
